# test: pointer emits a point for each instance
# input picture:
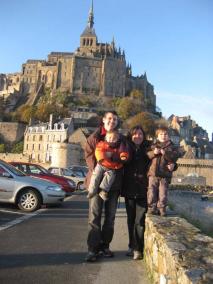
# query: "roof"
(88, 32)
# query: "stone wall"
(176, 252)
(201, 167)
(11, 157)
(12, 131)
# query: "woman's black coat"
(135, 181)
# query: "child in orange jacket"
(110, 155)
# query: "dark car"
(31, 169)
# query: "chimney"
(51, 121)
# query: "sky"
(170, 40)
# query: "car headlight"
(71, 183)
(54, 188)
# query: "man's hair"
(161, 129)
(110, 111)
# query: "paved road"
(50, 246)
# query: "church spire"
(91, 17)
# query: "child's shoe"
(104, 195)
(152, 211)
(162, 212)
(90, 194)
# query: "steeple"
(91, 17)
(88, 38)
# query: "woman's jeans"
(136, 212)
(100, 236)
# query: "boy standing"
(163, 155)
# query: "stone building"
(39, 139)
(192, 137)
(94, 68)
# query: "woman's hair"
(133, 130)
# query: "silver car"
(27, 192)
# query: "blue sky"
(172, 40)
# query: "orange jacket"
(110, 157)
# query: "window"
(40, 137)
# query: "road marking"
(12, 212)
(20, 220)
(30, 215)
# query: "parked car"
(28, 193)
(67, 185)
(68, 173)
(81, 170)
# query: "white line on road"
(20, 220)
(25, 216)
(12, 212)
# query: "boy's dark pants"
(157, 192)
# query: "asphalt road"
(50, 246)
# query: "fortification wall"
(176, 252)
(11, 157)
(201, 167)
(65, 155)
(12, 131)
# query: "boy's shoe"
(91, 194)
(91, 257)
(129, 252)
(107, 252)
(104, 195)
(137, 255)
(162, 212)
(152, 211)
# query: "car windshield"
(66, 172)
(36, 169)
(12, 169)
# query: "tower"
(88, 39)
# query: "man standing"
(100, 236)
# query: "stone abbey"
(93, 69)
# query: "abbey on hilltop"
(94, 68)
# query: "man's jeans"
(100, 236)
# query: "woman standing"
(134, 190)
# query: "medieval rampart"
(176, 252)
(201, 167)
(12, 131)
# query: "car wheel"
(29, 200)
(80, 185)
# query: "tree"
(128, 107)
(2, 148)
(18, 147)
(144, 119)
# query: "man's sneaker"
(91, 257)
(104, 195)
(107, 252)
(129, 252)
(137, 255)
